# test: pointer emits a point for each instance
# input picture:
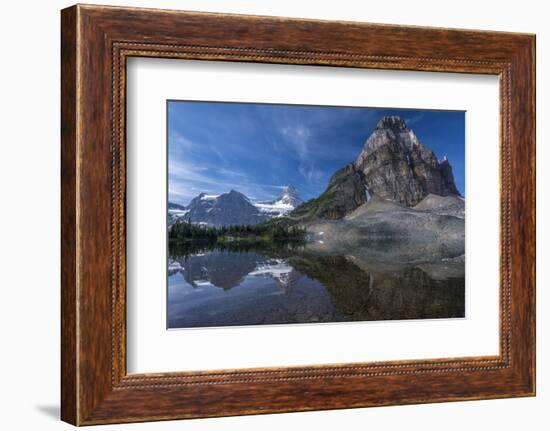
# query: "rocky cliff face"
(397, 166)
(345, 192)
(393, 165)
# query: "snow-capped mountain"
(286, 202)
(233, 208)
(289, 196)
(227, 209)
(202, 270)
(175, 212)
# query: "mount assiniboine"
(234, 208)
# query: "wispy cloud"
(297, 136)
(179, 141)
(311, 173)
(187, 180)
(182, 170)
(181, 195)
(414, 119)
(181, 144)
(259, 148)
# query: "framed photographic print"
(292, 232)
(279, 215)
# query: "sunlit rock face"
(397, 166)
(393, 166)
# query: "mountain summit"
(397, 166)
(393, 122)
(287, 200)
(289, 196)
(393, 165)
(233, 208)
(223, 210)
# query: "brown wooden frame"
(95, 43)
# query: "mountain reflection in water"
(232, 288)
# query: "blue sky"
(257, 149)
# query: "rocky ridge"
(233, 208)
(393, 165)
(399, 167)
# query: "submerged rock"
(386, 232)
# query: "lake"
(215, 287)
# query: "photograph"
(300, 214)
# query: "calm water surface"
(230, 288)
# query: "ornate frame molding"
(96, 41)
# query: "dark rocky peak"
(231, 208)
(200, 200)
(348, 190)
(392, 131)
(397, 166)
(345, 191)
(233, 194)
(391, 122)
(235, 199)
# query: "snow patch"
(202, 283)
(174, 266)
(209, 197)
(278, 208)
(276, 269)
(178, 213)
